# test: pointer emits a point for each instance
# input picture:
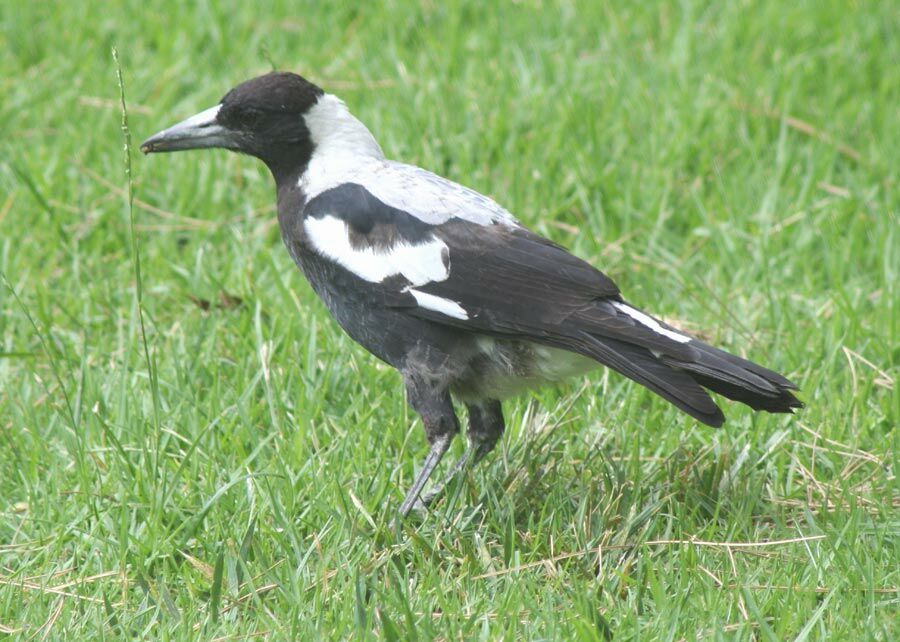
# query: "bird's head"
(263, 117)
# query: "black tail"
(739, 379)
(681, 373)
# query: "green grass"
(235, 476)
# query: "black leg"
(433, 404)
(485, 429)
(486, 426)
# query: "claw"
(474, 454)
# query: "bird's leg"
(486, 426)
(485, 429)
(438, 450)
(434, 405)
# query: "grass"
(231, 469)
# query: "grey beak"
(198, 131)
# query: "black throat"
(291, 205)
(286, 161)
(291, 197)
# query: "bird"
(444, 284)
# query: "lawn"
(191, 449)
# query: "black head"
(262, 117)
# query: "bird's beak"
(198, 131)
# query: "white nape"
(336, 132)
(347, 152)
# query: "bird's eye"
(241, 117)
(250, 116)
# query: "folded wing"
(494, 277)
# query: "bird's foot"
(474, 453)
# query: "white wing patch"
(650, 322)
(419, 264)
(439, 304)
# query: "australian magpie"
(444, 284)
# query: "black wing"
(511, 281)
(515, 284)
